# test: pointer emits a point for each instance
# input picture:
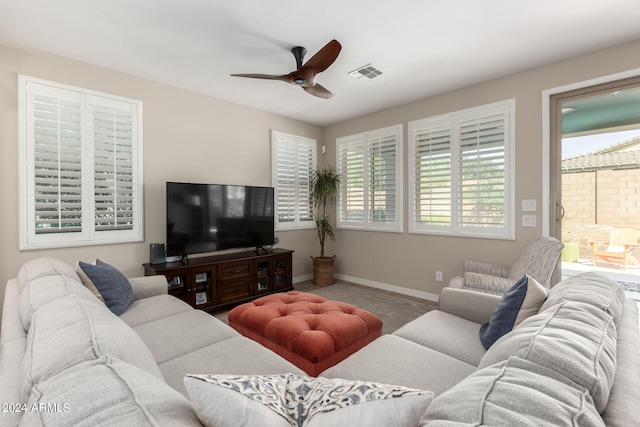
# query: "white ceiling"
(423, 47)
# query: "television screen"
(213, 217)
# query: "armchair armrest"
(474, 306)
(487, 283)
(484, 268)
(148, 286)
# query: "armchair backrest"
(538, 260)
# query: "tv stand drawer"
(235, 270)
(230, 292)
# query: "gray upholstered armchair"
(538, 260)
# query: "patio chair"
(538, 260)
(619, 248)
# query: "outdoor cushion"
(523, 300)
(295, 400)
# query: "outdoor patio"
(629, 280)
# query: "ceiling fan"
(304, 76)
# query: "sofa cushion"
(286, 400)
(514, 392)
(150, 309)
(185, 338)
(623, 406)
(394, 360)
(574, 339)
(590, 288)
(115, 289)
(214, 359)
(107, 392)
(446, 333)
(42, 267)
(44, 289)
(523, 300)
(72, 330)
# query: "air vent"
(365, 71)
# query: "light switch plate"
(528, 220)
(529, 205)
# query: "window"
(81, 166)
(370, 167)
(460, 169)
(293, 163)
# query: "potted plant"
(324, 190)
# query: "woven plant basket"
(323, 270)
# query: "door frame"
(548, 192)
(550, 178)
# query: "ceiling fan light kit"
(304, 75)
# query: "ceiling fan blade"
(324, 57)
(318, 90)
(284, 78)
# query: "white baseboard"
(391, 288)
(378, 285)
(299, 279)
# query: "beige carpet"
(393, 309)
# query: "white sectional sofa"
(61, 346)
(66, 360)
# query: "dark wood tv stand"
(214, 282)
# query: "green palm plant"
(324, 190)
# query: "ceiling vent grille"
(365, 71)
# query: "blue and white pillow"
(523, 300)
(295, 400)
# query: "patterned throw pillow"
(295, 400)
(523, 300)
(115, 289)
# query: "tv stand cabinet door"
(203, 288)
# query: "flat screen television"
(214, 217)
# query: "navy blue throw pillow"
(524, 299)
(112, 285)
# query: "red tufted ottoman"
(308, 330)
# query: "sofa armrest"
(148, 286)
(474, 306)
(484, 268)
(487, 283)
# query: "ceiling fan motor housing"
(299, 52)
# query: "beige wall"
(187, 137)
(231, 144)
(410, 261)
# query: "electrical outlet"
(438, 276)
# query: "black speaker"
(156, 253)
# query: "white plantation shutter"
(383, 161)
(113, 131)
(481, 176)
(293, 164)
(371, 190)
(430, 176)
(461, 180)
(81, 179)
(54, 127)
(351, 205)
